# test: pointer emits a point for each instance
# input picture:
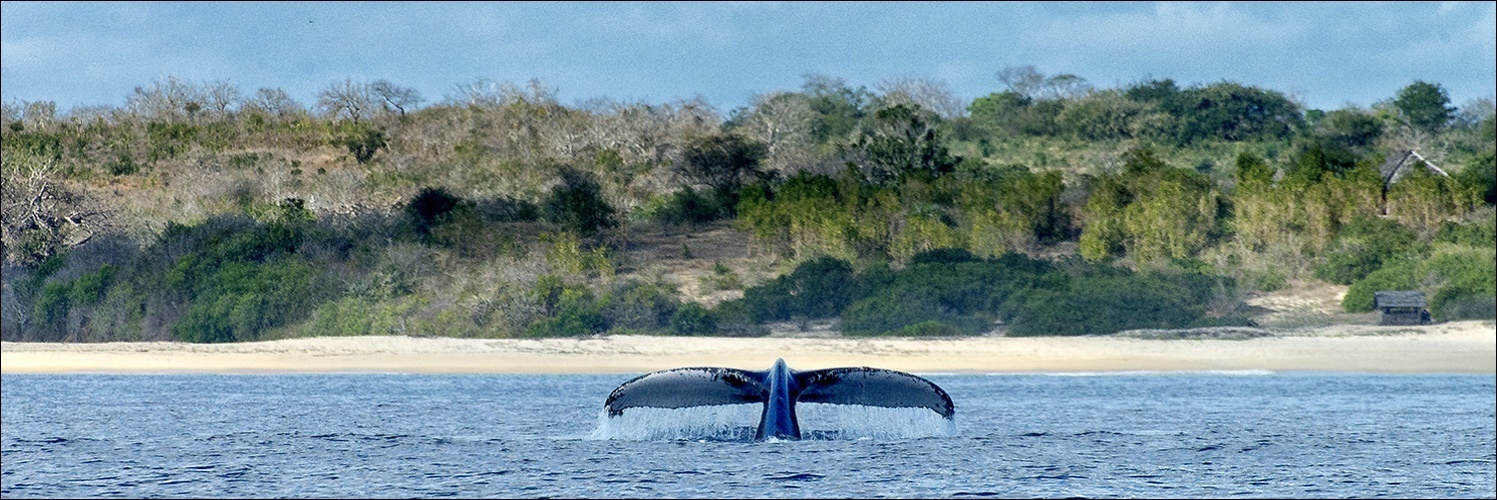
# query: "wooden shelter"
(1399, 164)
(1401, 307)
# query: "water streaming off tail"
(832, 421)
(724, 422)
(740, 423)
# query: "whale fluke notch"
(778, 389)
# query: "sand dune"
(1458, 347)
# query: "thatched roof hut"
(1401, 162)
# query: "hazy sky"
(1325, 54)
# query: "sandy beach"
(1457, 347)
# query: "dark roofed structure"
(1401, 307)
(1400, 162)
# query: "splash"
(717, 423)
(833, 421)
(740, 423)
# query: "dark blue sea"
(1222, 434)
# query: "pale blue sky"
(1325, 54)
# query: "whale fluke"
(872, 387)
(687, 387)
(778, 388)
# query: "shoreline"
(1456, 347)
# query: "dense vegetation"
(1051, 207)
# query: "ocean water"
(1222, 434)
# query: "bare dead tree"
(395, 98)
(1023, 80)
(39, 215)
(220, 97)
(274, 102)
(486, 93)
(934, 95)
(347, 100)
(1066, 86)
(167, 98)
(784, 122)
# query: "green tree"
(1350, 128)
(817, 288)
(839, 108)
(998, 113)
(1108, 115)
(242, 300)
(1480, 178)
(722, 162)
(1424, 106)
(1011, 210)
(1233, 112)
(903, 141)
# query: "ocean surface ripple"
(393, 435)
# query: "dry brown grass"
(687, 256)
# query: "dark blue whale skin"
(778, 389)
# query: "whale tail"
(778, 389)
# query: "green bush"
(693, 319)
(640, 306)
(1361, 247)
(683, 206)
(1108, 303)
(1396, 275)
(1459, 281)
(442, 217)
(345, 317)
(735, 320)
(577, 204)
(949, 287)
(895, 309)
(571, 321)
(1480, 177)
(225, 241)
(1475, 233)
(38, 144)
(566, 310)
(169, 139)
(363, 142)
(948, 292)
(242, 300)
(817, 288)
(1468, 283)
(57, 299)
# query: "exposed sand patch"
(1461, 347)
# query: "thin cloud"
(1329, 52)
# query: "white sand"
(1458, 347)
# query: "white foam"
(857, 421)
(701, 422)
